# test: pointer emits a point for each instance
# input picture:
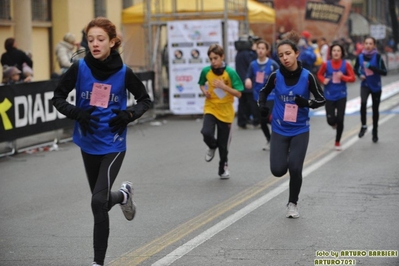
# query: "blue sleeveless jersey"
(374, 81)
(286, 95)
(103, 141)
(267, 69)
(335, 91)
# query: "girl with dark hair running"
(257, 75)
(370, 67)
(101, 114)
(290, 116)
(334, 74)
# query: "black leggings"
(101, 171)
(288, 153)
(375, 98)
(222, 140)
(266, 120)
(335, 111)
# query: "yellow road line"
(134, 258)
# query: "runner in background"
(369, 67)
(258, 72)
(220, 84)
(334, 74)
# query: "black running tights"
(288, 154)
(222, 141)
(335, 111)
(101, 171)
(375, 98)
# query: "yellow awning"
(257, 12)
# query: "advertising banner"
(188, 43)
(26, 108)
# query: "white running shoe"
(210, 153)
(267, 147)
(95, 264)
(129, 208)
(226, 173)
(292, 210)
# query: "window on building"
(40, 10)
(127, 3)
(5, 9)
(99, 8)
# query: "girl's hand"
(207, 94)
(326, 80)
(362, 77)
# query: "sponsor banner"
(26, 108)
(324, 12)
(188, 43)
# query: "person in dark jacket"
(102, 81)
(246, 53)
(15, 57)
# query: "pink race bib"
(290, 112)
(100, 95)
(260, 77)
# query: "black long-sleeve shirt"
(291, 78)
(381, 69)
(133, 84)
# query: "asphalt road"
(187, 216)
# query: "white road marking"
(209, 233)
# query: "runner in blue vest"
(370, 67)
(334, 74)
(259, 71)
(100, 81)
(293, 85)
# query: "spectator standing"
(101, 122)
(293, 86)
(369, 67)
(15, 57)
(223, 84)
(334, 74)
(324, 50)
(64, 51)
(306, 52)
(246, 53)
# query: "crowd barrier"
(26, 111)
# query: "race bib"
(335, 78)
(290, 112)
(367, 71)
(100, 95)
(260, 77)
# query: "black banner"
(324, 12)
(26, 109)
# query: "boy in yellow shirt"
(223, 84)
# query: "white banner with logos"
(188, 43)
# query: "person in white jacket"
(64, 51)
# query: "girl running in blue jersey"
(334, 74)
(258, 72)
(370, 67)
(101, 114)
(292, 85)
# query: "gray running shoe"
(292, 210)
(210, 153)
(129, 208)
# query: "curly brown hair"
(108, 27)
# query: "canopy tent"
(257, 12)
